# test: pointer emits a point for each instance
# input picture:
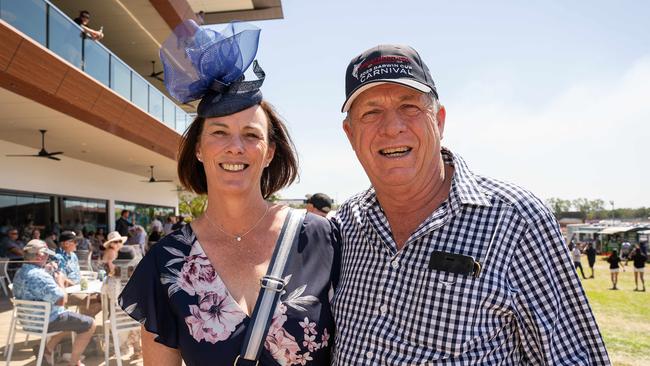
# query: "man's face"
(69, 246)
(395, 134)
(13, 234)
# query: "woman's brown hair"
(281, 172)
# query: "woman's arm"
(156, 354)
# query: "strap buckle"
(245, 361)
(272, 283)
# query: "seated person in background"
(83, 19)
(50, 239)
(10, 246)
(111, 251)
(33, 282)
(137, 238)
(68, 264)
(82, 242)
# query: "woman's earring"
(198, 157)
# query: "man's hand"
(51, 267)
(60, 279)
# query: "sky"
(551, 95)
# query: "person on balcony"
(83, 20)
(33, 282)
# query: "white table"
(94, 287)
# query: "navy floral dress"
(176, 294)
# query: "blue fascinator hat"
(209, 64)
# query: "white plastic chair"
(85, 259)
(4, 276)
(30, 317)
(115, 321)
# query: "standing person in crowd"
(83, 20)
(123, 224)
(626, 247)
(68, 264)
(180, 222)
(591, 257)
(614, 266)
(639, 258)
(36, 234)
(196, 290)
(319, 204)
(432, 270)
(577, 254)
(112, 246)
(33, 282)
(137, 238)
(169, 224)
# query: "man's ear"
(347, 127)
(440, 119)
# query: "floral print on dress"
(216, 315)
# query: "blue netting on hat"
(201, 60)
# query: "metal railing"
(49, 26)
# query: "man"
(441, 265)
(83, 20)
(577, 256)
(33, 282)
(319, 203)
(591, 257)
(11, 247)
(68, 264)
(123, 224)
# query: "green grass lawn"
(623, 316)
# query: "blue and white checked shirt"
(68, 264)
(526, 307)
(35, 284)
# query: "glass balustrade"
(46, 24)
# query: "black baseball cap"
(321, 202)
(67, 235)
(387, 63)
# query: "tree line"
(587, 209)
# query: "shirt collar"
(464, 186)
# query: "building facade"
(103, 105)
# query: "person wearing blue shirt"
(34, 282)
(68, 264)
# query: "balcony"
(50, 27)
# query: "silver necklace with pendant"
(238, 238)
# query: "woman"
(639, 259)
(196, 289)
(614, 260)
(112, 246)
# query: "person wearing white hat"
(112, 246)
(33, 282)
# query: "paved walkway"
(23, 354)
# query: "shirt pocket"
(456, 313)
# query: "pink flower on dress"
(197, 275)
(303, 358)
(310, 343)
(282, 346)
(309, 327)
(325, 338)
(214, 319)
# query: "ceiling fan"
(43, 153)
(154, 180)
(156, 74)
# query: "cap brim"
(406, 82)
(48, 251)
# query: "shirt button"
(383, 309)
(369, 354)
(394, 264)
